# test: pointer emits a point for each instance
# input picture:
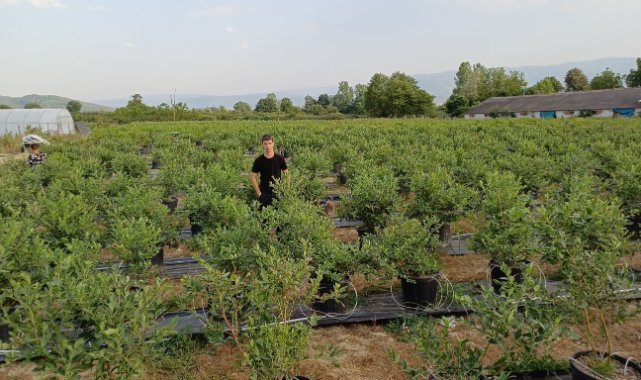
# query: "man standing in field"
(270, 166)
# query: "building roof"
(564, 101)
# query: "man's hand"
(258, 195)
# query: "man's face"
(268, 146)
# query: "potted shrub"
(372, 199)
(583, 231)
(409, 247)
(207, 208)
(508, 232)
(523, 321)
(135, 241)
(275, 346)
(437, 193)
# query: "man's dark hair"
(267, 138)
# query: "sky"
(100, 49)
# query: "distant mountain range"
(438, 84)
(49, 101)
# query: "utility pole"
(172, 100)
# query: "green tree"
(286, 105)
(344, 97)
(396, 96)
(456, 105)
(358, 104)
(467, 81)
(547, 85)
(608, 79)
(633, 79)
(135, 101)
(32, 105)
(4, 107)
(575, 80)
(243, 107)
(310, 102)
(267, 104)
(324, 100)
(74, 106)
(496, 82)
(375, 97)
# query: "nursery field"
(395, 249)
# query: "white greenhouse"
(42, 120)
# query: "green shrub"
(372, 199)
(438, 194)
(134, 240)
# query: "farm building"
(623, 102)
(46, 120)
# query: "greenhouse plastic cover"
(47, 120)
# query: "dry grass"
(472, 267)
(346, 235)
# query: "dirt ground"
(7, 156)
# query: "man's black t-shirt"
(269, 169)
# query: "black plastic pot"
(155, 164)
(199, 143)
(342, 178)
(420, 291)
(444, 233)
(498, 277)
(579, 372)
(159, 257)
(4, 333)
(330, 306)
(196, 229)
(171, 203)
(634, 226)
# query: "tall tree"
(286, 105)
(633, 79)
(344, 97)
(358, 104)
(267, 104)
(396, 96)
(456, 105)
(606, 80)
(324, 100)
(576, 80)
(547, 85)
(375, 96)
(74, 106)
(243, 107)
(467, 81)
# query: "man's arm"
(254, 182)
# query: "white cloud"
(129, 45)
(230, 30)
(96, 8)
(35, 3)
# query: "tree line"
(476, 83)
(395, 95)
